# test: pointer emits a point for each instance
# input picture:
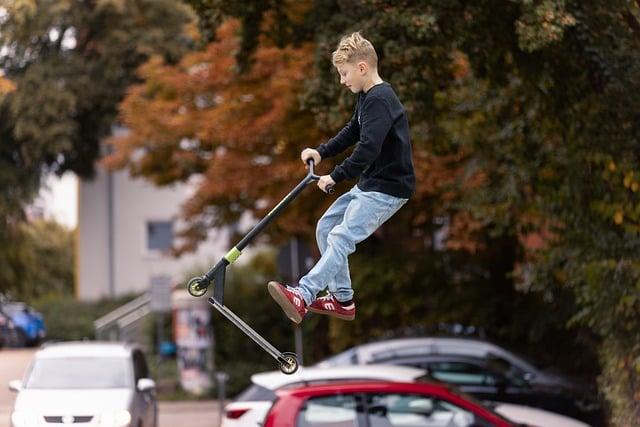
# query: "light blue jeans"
(353, 217)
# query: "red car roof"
(363, 386)
(284, 411)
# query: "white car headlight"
(24, 419)
(115, 419)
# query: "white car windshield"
(75, 372)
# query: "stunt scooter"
(197, 286)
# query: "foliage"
(61, 326)
(547, 121)
(6, 86)
(64, 67)
(201, 119)
(39, 261)
(525, 124)
(71, 62)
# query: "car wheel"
(33, 342)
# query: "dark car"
(6, 331)
(482, 369)
(28, 323)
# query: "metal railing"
(123, 323)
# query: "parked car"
(251, 406)
(378, 404)
(28, 323)
(104, 384)
(6, 327)
(482, 369)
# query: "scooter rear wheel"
(197, 286)
(288, 363)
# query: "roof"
(276, 379)
(379, 351)
(430, 345)
(84, 349)
(438, 389)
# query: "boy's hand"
(326, 181)
(310, 153)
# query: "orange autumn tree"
(6, 86)
(237, 136)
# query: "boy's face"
(352, 75)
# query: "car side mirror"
(422, 407)
(15, 385)
(146, 384)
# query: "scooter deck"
(288, 361)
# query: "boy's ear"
(363, 67)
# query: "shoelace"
(293, 289)
(327, 297)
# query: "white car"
(252, 405)
(535, 416)
(89, 383)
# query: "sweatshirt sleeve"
(348, 136)
(375, 125)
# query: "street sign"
(294, 259)
(160, 292)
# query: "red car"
(378, 404)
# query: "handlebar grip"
(311, 165)
(330, 189)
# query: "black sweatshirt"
(382, 159)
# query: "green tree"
(546, 115)
(38, 262)
(71, 62)
(65, 66)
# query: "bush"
(68, 319)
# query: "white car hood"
(77, 402)
(527, 415)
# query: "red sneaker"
(289, 300)
(329, 305)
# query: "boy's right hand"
(310, 153)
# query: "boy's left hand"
(324, 181)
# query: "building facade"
(125, 227)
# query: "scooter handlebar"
(311, 164)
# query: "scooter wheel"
(288, 363)
(197, 286)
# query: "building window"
(159, 235)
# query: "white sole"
(284, 303)
(332, 314)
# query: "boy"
(382, 160)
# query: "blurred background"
(140, 139)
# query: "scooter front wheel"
(288, 363)
(197, 286)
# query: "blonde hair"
(354, 48)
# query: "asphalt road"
(14, 362)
